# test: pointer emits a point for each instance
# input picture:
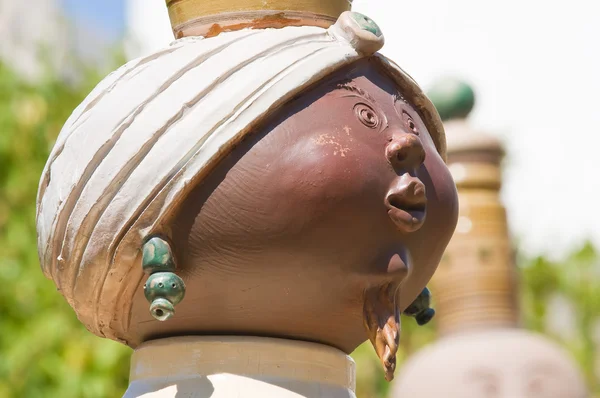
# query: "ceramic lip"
(407, 204)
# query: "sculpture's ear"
(163, 289)
(420, 309)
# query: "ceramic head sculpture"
(265, 179)
(498, 363)
(482, 352)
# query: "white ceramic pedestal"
(239, 367)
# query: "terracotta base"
(241, 367)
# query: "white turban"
(153, 129)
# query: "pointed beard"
(382, 321)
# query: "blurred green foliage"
(46, 352)
(576, 280)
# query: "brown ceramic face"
(500, 363)
(341, 191)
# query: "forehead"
(371, 81)
(363, 88)
(386, 84)
(366, 77)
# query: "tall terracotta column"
(482, 352)
(475, 285)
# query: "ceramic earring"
(420, 309)
(163, 289)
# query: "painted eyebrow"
(362, 93)
(356, 90)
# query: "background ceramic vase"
(482, 352)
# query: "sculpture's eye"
(366, 115)
(410, 123)
(486, 383)
(541, 386)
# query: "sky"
(106, 16)
(534, 65)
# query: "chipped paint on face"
(328, 139)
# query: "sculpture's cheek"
(427, 245)
(326, 169)
(442, 197)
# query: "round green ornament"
(162, 309)
(165, 285)
(366, 23)
(157, 256)
(420, 309)
(453, 98)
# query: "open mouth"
(407, 206)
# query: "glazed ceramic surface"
(294, 178)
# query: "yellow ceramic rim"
(183, 11)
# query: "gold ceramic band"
(470, 299)
(182, 12)
(475, 285)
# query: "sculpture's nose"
(405, 151)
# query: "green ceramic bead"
(453, 98)
(165, 285)
(425, 317)
(421, 303)
(420, 309)
(366, 23)
(157, 256)
(162, 309)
